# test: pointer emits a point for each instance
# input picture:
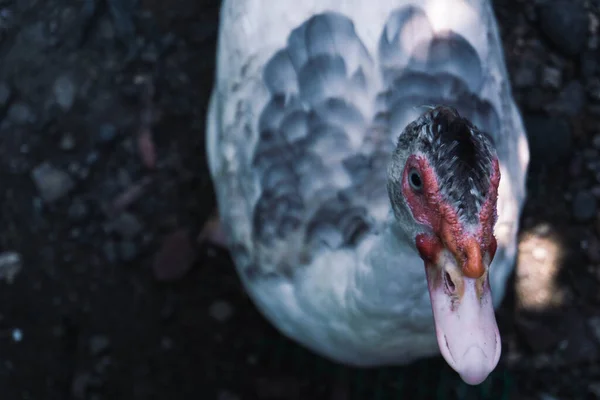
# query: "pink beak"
(465, 323)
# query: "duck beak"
(463, 310)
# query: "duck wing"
(308, 106)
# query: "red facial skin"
(431, 210)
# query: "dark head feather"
(461, 155)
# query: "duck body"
(310, 104)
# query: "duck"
(369, 163)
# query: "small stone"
(128, 250)
(571, 100)
(526, 73)
(225, 395)
(107, 133)
(5, 94)
(596, 141)
(67, 142)
(536, 98)
(80, 385)
(10, 265)
(550, 138)
(175, 257)
(64, 92)
(110, 252)
(565, 23)
(584, 206)
(594, 325)
(594, 389)
(99, 344)
(593, 250)
(590, 64)
(52, 183)
(78, 210)
(21, 114)
(221, 311)
(126, 225)
(551, 77)
(17, 335)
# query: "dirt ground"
(105, 292)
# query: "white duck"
(356, 187)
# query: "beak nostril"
(450, 287)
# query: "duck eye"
(414, 178)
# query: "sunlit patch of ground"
(538, 266)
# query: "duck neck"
(393, 275)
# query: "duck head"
(443, 185)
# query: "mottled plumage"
(311, 102)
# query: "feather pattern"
(307, 110)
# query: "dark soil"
(105, 190)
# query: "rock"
(584, 206)
(536, 98)
(551, 77)
(110, 251)
(564, 331)
(594, 389)
(549, 138)
(221, 311)
(526, 73)
(78, 210)
(226, 395)
(99, 344)
(565, 23)
(590, 61)
(21, 114)
(593, 250)
(593, 89)
(5, 94)
(10, 265)
(175, 257)
(107, 133)
(126, 225)
(64, 92)
(594, 325)
(128, 250)
(67, 142)
(571, 100)
(52, 183)
(80, 385)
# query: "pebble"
(221, 311)
(126, 225)
(5, 94)
(565, 23)
(584, 206)
(590, 61)
(17, 335)
(52, 183)
(594, 325)
(78, 210)
(10, 265)
(594, 389)
(552, 77)
(64, 92)
(128, 250)
(571, 100)
(21, 114)
(67, 142)
(175, 257)
(549, 138)
(526, 73)
(225, 395)
(99, 344)
(110, 251)
(107, 133)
